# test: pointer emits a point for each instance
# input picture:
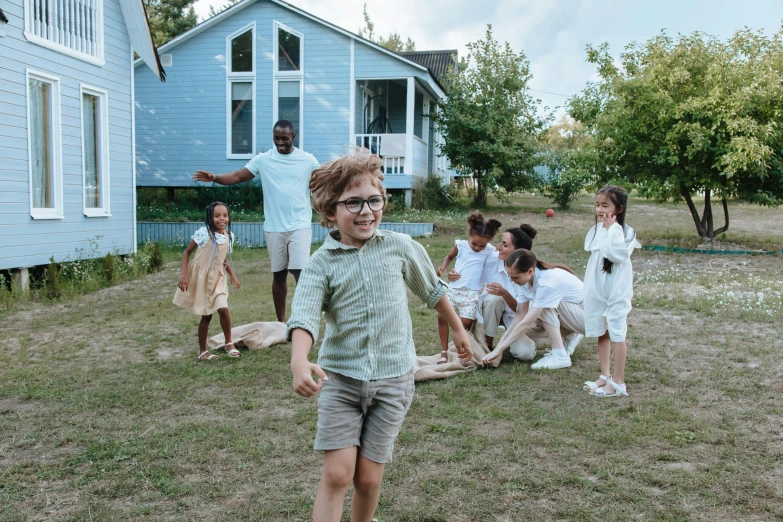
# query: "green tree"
(170, 18)
(572, 159)
(489, 122)
(393, 42)
(217, 10)
(690, 116)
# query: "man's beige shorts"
(289, 250)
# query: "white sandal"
(619, 390)
(593, 385)
(206, 356)
(233, 352)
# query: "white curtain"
(41, 144)
(92, 180)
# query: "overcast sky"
(552, 33)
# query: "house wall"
(181, 125)
(27, 241)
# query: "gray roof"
(438, 62)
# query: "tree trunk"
(694, 213)
(705, 225)
(480, 200)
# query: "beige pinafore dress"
(208, 285)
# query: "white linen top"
(470, 265)
(550, 287)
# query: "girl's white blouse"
(201, 237)
(608, 296)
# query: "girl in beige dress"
(202, 286)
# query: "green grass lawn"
(105, 414)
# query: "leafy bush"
(108, 268)
(432, 194)
(156, 258)
(244, 200)
(53, 286)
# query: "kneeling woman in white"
(549, 302)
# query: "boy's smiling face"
(357, 229)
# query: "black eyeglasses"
(355, 205)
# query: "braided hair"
(478, 227)
(209, 221)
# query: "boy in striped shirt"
(358, 279)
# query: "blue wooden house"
(231, 77)
(66, 127)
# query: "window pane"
(242, 53)
(41, 153)
(288, 105)
(242, 118)
(287, 51)
(91, 142)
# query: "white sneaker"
(572, 341)
(551, 362)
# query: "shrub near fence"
(251, 234)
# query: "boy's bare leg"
(366, 489)
(336, 476)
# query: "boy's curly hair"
(331, 179)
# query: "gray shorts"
(368, 414)
(289, 250)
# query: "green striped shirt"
(361, 292)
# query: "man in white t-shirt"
(284, 172)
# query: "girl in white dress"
(471, 254)
(609, 288)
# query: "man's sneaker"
(551, 362)
(572, 341)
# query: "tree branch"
(694, 213)
(725, 227)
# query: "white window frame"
(240, 77)
(276, 105)
(32, 37)
(57, 150)
(277, 25)
(289, 76)
(103, 149)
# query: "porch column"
(411, 102)
(20, 280)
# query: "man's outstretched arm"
(229, 178)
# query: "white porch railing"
(390, 147)
(420, 159)
(76, 25)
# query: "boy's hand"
(462, 344)
(439, 270)
(453, 276)
(235, 282)
(304, 384)
(184, 282)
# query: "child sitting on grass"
(358, 279)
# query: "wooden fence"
(250, 234)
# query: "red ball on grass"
(549, 212)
